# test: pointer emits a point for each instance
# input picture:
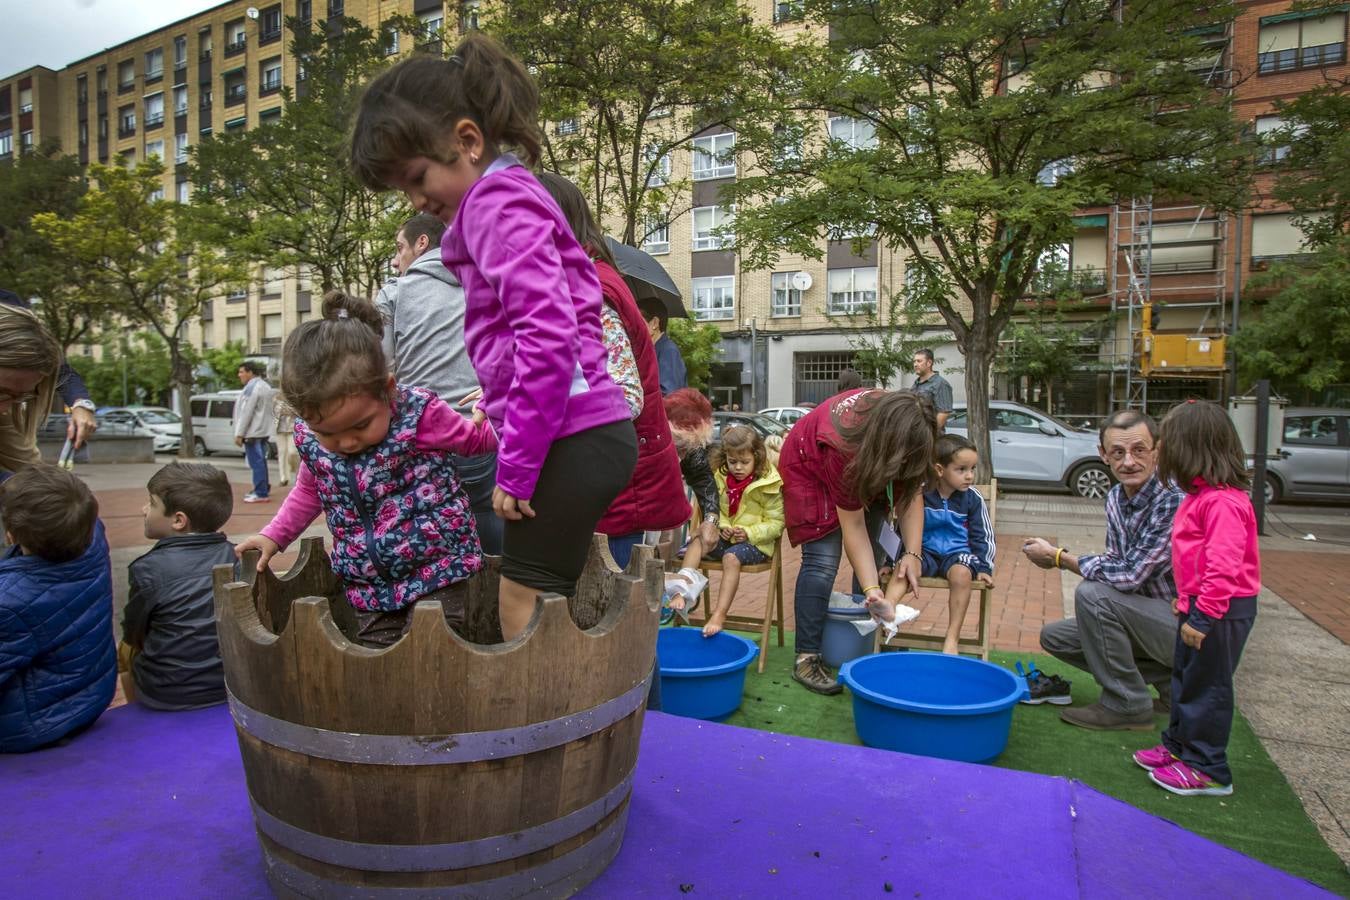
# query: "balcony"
(126, 88)
(236, 46)
(270, 86)
(154, 120)
(270, 36)
(126, 131)
(235, 94)
(204, 55)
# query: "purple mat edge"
(700, 815)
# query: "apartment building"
(786, 332)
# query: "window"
(154, 110)
(127, 158)
(856, 134)
(180, 52)
(126, 121)
(1014, 420)
(6, 143)
(102, 81)
(184, 192)
(154, 149)
(233, 125)
(714, 298)
(659, 164)
(657, 239)
(468, 15)
(1053, 172)
(154, 65)
(707, 221)
(916, 288)
(787, 300)
(304, 10)
(26, 100)
(180, 100)
(714, 156)
(269, 115)
(271, 328)
(236, 329)
(269, 25)
(336, 8)
(1313, 431)
(204, 44)
(84, 134)
(432, 23)
(180, 148)
(126, 75)
(269, 72)
(1304, 42)
(25, 140)
(1276, 237)
(158, 193)
(272, 279)
(1179, 247)
(787, 10)
(235, 88)
(852, 290)
(235, 37)
(82, 89)
(567, 126)
(391, 42)
(1270, 131)
(204, 94)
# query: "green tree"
(968, 135)
(224, 363)
(156, 262)
(629, 83)
(129, 370)
(1314, 180)
(699, 345)
(282, 189)
(44, 180)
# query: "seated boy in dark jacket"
(58, 665)
(169, 626)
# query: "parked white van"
(213, 424)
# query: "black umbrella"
(647, 278)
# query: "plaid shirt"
(1138, 557)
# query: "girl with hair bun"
(376, 461)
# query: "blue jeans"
(478, 474)
(815, 580)
(255, 451)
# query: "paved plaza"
(1293, 684)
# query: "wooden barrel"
(438, 767)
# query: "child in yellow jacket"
(751, 512)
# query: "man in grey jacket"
(423, 312)
(254, 418)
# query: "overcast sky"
(55, 33)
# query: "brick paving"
(1317, 584)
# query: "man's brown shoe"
(1098, 718)
(810, 673)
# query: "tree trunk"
(183, 380)
(979, 347)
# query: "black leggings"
(582, 475)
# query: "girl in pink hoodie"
(440, 131)
(1217, 566)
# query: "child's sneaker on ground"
(810, 673)
(1179, 778)
(1153, 757)
(254, 498)
(1045, 688)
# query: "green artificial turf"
(1263, 818)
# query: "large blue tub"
(702, 678)
(932, 704)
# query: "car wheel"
(1092, 480)
(1272, 490)
(200, 445)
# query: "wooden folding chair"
(978, 644)
(773, 604)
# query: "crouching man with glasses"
(1123, 629)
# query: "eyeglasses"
(7, 398)
(1119, 454)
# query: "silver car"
(1313, 461)
(1031, 447)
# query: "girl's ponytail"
(502, 95)
(337, 305)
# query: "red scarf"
(736, 487)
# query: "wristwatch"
(83, 403)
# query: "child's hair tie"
(343, 314)
(456, 60)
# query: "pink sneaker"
(1153, 758)
(1180, 778)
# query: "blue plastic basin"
(932, 704)
(702, 678)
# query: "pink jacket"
(531, 322)
(1215, 555)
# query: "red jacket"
(654, 499)
(812, 463)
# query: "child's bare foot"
(882, 610)
(714, 625)
(949, 649)
(676, 602)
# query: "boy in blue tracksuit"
(958, 538)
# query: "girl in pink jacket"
(1217, 566)
(439, 131)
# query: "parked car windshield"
(157, 417)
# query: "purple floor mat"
(153, 804)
